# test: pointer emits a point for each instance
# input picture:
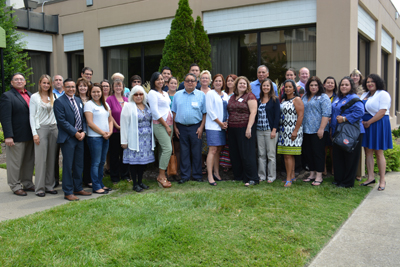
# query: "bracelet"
(344, 119)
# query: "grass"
(187, 225)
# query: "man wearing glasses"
(14, 118)
(194, 69)
(189, 110)
(87, 73)
(71, 124)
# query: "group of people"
(212, 121)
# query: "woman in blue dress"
(137, 138)
(378, 135)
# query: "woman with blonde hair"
(45, 132)
(205, 81)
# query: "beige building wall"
(337, 30)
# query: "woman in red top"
(242, 109)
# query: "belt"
(187, 125)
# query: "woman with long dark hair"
(317, 111)
(346, 163)
(378, 135)
(163, 124)
(291, 132)
(100, 128)
(268, 114)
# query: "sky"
(396, 3)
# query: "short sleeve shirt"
(239, 111)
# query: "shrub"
(396, 132)
(392, 157)
(203, 46)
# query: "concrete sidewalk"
(13, 206)
(371, 236)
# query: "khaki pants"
(45, 153)
(20, 161)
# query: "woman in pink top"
(118, 170)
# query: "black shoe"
(198, 180)
(137, 188)
(334, 183)
(41, 194)
(182, 181)
(53, 192)
(104, 192)
(107, 189)
(213, 184)
(56, 184)
(365, 184)
(216, 178)
(142, 185)
(344, 186)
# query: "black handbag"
(346, 134)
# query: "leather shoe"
(102, 193)
(71, 198)
(20, 192)
(182, 181)
(142, 185)
(198, 180)
(56, 184)
(31, 189)
(41, 194)
(107, 189)
(53, 192)
(137, 188)
(83, 193)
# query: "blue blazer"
(65, 116)
(273, 110)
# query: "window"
(76, 63)
(396, 91)
(384, 66)
(242, 53)
(363, 55)
(40, 64)
(135, 59)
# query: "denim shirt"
(189, 107)
(314, 110)
(352, 114)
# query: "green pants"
(165, 147)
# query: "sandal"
(382, 188)
(288, 184)
(308, 180)
(317, 183)
(163, 182)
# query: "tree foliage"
(15, 59)
(203, 46)
(179, 44)
(186, 43)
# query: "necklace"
(142, 110)
(97, 104)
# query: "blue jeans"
(98, 147)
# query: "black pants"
(314, 152)
(137, 170)
(57, 165)
(118, 170)
(346, 164)
(243, 154)
(87, 160)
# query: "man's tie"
(78, 121)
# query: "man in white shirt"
(304, 75)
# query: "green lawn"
(187, 225)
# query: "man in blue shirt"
(189, 110)
(58, 86)
(262, 73)
(194, 69)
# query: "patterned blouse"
(262, 122)
(239, 111)
(314, 110)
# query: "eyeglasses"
(136, 82)
(190, 81)
(138, 94)
(69, 87)
(18, 79)
(88, 74)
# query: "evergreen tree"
(179, 45)
(203, 46)
(14, 57)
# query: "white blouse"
(215, 109)
(380, 100)
(100, 117)
(159, 104)
(40, 113)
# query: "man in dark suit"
(14, 118)
(71, 124)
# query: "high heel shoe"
(382, 188)
(365, 184)
(216, 178)
(163, 182)
(213, 184)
